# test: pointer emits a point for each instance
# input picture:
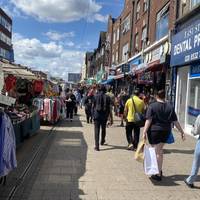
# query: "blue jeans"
(195, 165)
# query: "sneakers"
(190, 185)
(103, 142)
(156, 177)
(96, 149)
(130, 147)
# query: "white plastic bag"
(150, 161)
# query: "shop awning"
(18, 71)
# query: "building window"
(114, 37)
(117, 34)
(5, 54)
(5, 23)
(125, 53)
(162, 23)
(194, 99)
(137, 42)
(126, 25)
(116, 57)
(144, 36)
(194, 3)
(113, 58)
(5, 39)
(138, 10)
(145, 5)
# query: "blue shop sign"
(195, 71)
(186, 45)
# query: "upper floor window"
(5, 39)
(137, 42)
(114, 37)
(117, 34)
(5, 23)
(162, 23)
(194, 3)
(145, 5)
(125, 52)
(144, 36)
(126, 25)
(138, 10)
(116, 57)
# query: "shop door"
(182, 94)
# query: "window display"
(194, 100)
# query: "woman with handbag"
(159, 117)
(196, 161)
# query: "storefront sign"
(195, 71)
(186, 45)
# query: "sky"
(53, 35)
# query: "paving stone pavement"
(71, 169)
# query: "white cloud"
(70, 44)
(51, 57)
(54, 35)
(60, 10)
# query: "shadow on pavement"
(178, 151)
(172, 180)
(111, 147)
(56, 171)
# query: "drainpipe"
(148, 19)
(132, 21)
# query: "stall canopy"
(18, 71)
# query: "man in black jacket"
(101, 112)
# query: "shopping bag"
(150, 161)
(139, 154)
(170, 139)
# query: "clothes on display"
(50, 109)
(7, 145)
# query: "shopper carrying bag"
(150, 161)
(139, 154)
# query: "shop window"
(145, 5)
(138, 10)
(194, 3)
(194, 100)
(162, 23)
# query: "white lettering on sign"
(182, 47)
(197, 40)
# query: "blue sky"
(54, 35)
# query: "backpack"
(196, 127)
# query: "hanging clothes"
(7, 145)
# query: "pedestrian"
(123, 97)
(112, 102)
(133, 105)
(159, 118)
(89, 100)
(101, 108)
(70, 104)
(196, 160)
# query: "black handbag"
(139, 118)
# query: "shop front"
(185, 61)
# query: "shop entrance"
(181, 95)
